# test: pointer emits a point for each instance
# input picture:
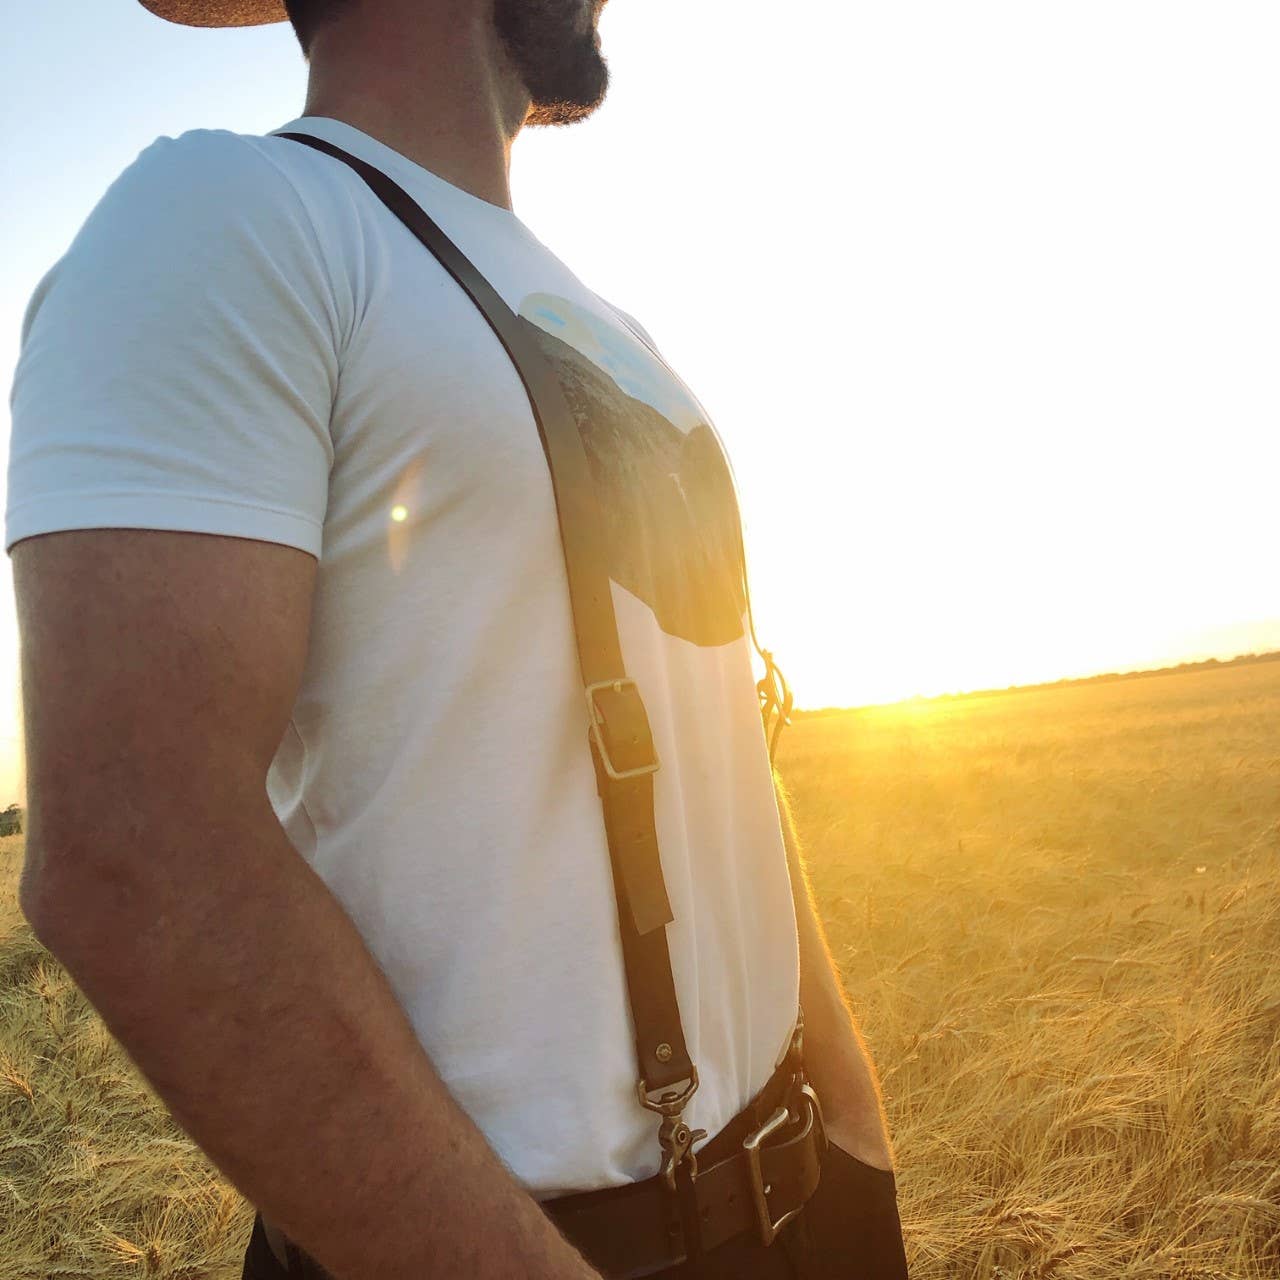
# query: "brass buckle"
(597, 718)
(674, 1136)
(759, 1192)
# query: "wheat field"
(1057, 914)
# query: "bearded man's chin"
(552, 113)
(560, 65)
(571, 97)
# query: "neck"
(429, 79)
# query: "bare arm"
(159, 671)
(836, 1057)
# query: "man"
(313, 821)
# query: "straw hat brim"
(219, 13)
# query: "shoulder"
(189, 205)
(238, 192)
(211, 172)
(208, 214)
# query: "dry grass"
(96, 1180)
(1058, 916)
(1057, 913)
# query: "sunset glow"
(980, 300)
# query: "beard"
(558, 59)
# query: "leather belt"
(754, 1176)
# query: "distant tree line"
(1241, 660)
(11, 821)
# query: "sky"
(983, 299)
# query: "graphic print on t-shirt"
(665, 491)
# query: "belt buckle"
(751, 1144)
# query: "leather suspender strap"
(618, 728)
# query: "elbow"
(31, 897)
(62, 906)
(46, 916)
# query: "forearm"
(248, 999)
(836, 1058)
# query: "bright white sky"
(984, 299)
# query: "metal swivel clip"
(674, 1136)
(676, 1140)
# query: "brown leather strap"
(615, 712)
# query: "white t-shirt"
(243, 340)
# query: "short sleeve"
(178, 364)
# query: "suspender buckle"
(619, 725)
(671, 1103)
